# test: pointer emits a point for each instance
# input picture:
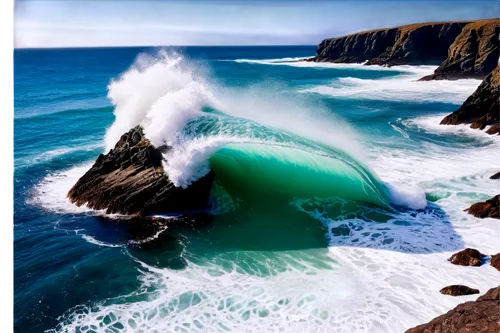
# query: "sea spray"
(305, 143)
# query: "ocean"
(338, 196)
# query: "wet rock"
(482, 108)
(130, 180)
(482, 315)
(495, 261)
(494, 129)
(495, 176)
(489, 208)
(467, 257)
(458, 290)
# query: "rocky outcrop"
(414, 44)
(482, 108)
(489, 208)
(458, 290)
(467, 257)
(473, 54)
(130, 180)
(495, 261)
(482, 315)
(495, 176)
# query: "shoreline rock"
(495, 261)
(482, 108)
(488, 208)
(467, 257)
(482, 315)
(130, 180)
(458, 290)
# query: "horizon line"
(154, 46)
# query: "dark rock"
(495, 176)
(494, 129)
(458, 290)
(482, 108)
(489, 208)
(473, 54)
(130, 180)
(467, 257)
(495, 261)
(482, 315)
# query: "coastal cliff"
(473, 54)
(482, 108)
(130, 180)
(466, 49)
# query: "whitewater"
(338, 198)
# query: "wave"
(402, 88)
(249, 137)
(53, 154)
(297, 62)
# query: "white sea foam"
(51, 192)
(431, 124)
(347, 289)
(403, 88)
(297, 62)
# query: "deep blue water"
(60, 120)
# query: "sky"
(93, 23)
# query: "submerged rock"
(467, 257)
(482, 315)
(130, 179)
(489, 208)
(482, 108)
(458, 290)
(495, 261)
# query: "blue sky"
(61, 23)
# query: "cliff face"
(413, 44)
(130, 180)
(473, 54)
(462, 49)
(482, 108)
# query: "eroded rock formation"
(130, 179)
(495, 261)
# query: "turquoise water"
(310, 159)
